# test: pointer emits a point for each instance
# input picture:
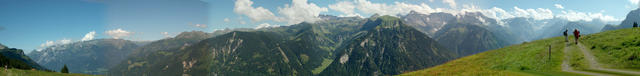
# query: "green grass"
(19, 72)
(325, 64)
(531, 58)
(616, 48)
(608, 72)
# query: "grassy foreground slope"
(618, 49)
(511, 60)
(532, 58)
(19, 72)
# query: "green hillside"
(531, 56)
(618, 50)
(15, 58)
(468, 39)
(388, 47)
(140, 60)
(19, 72)
(301, 49)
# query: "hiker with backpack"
(576, 34)
(566, 39)
(635, 25)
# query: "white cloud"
(244, 7)
(227, 20)
(58, 42)
(300, 11)
(65, 41)
(165, 34)
(200, 25)
(296, 12)
(89, 36)
(47, 44)
(117, 33)
(347, 8)
(452, 3)
(588, 16)
(537, 14)
(396, 8)
(368, 7)
(242, 22)
(543, 13)
(265, 25)
(635, 2)
(558, 6)
(499, 13)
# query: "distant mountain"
(522, 28)
(430, 23)
(301, 49)
(331, 17)
(476, 18)
(15, 58)
(89, 57)
(139, 60)
(180, 41)
(141, 43)
(387, 47)
(467, 39)
(557, 29)
(633, 16)
(474, 30)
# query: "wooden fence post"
(549, 52)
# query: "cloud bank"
(265, 25)
(301, 11)
(245, 7)
(558, 6)
(296, 12)
(89, 36)
(118, 33)
(52, 43)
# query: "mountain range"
(390, 48)
(633, 16)
(89, 57)
(377, 45)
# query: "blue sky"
(34, 24)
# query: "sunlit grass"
(615, 48)
(325, 64)
(530, 58)
(19, 72)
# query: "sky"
(36, 24)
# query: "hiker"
(566, 39)
(635, 24)
(576, 34)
